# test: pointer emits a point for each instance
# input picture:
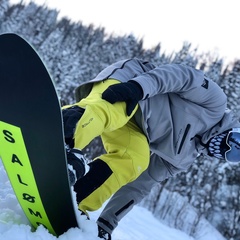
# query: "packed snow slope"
(139, 224)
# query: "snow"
(211, 186)
(139, 224)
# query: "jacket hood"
(228, 122)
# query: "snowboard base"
(31, 137)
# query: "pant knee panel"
(99, 172)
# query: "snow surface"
(139, 224)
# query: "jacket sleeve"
(187, 82)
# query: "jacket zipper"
(183, 138)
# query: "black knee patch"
(98, 173)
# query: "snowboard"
(31, 137)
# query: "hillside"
(75, 53)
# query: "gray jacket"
(180, 110)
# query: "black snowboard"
(31, 137)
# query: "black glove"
(130, 92)
(71, 117)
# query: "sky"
(210, 25)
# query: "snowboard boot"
(103, 234)
(77, 165)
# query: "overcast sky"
(210, 25)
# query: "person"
(153, 121)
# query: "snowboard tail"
(21, 175)
(31, 137)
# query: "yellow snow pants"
(127, 149)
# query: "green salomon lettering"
(17, 164)
(15, 159)
(8, 136)
(37, 214)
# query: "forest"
(75, 53)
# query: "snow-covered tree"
(74, 53)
